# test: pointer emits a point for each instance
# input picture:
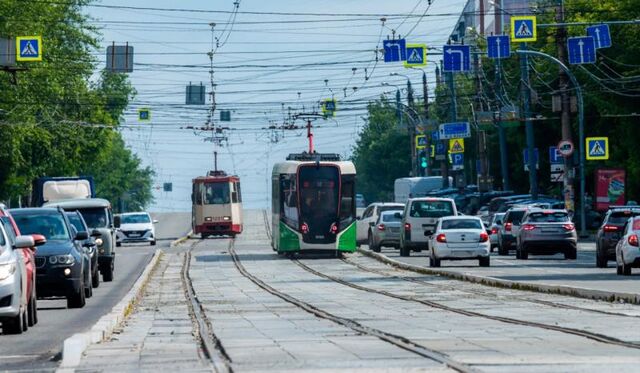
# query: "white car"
(628, 248)
(494, 227)
(136, 227)
(419, 220)
(14, 304)
(366, 223)
(458, 238)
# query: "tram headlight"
(208, 218)
(226, 218)
(304, 228)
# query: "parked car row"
(617, 239)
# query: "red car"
(29, 261)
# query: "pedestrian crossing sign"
(421, 141)
(144, 115)
(416, 55)
(597, 148)
(29, 48)
(523, 29)
(456, 146)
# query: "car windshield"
(95, 217)
(621, 217)
(389, 208)
(135, 219)
(546, 217)
(515, 217)
(431, 209)
(52, 226)
(461, 224)
(75, 220)
(388, 218)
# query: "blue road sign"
(454, 130)
(395, 50)
(554, 156)
(498, 46)
(416, 55)
(597, 148)
(457, 58)
(601, 35)
(457, 161)
(29, 48)
(523, 28)
(435, 136)
(441, 148)
(581, 50)
(525, 158)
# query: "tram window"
(289, 199)
(216, 193)
(234, 193)
(239, 192)
(347, 199)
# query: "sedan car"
(628, 248)
(458, 238)
(387, 230)
(61, 263)
(508, 232)
(136, 227)
(14, 302)
(546, 232)
(610, 232)
(494, 227)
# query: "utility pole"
(411, 127)
(565, 108)
(425, 93)
(502, 136)
(483, 172)
(526, 102)
(453, 115)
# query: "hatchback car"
(509, 230)
(387, 230)
(459, 238)
(610, 232)
(419, 220)
(546, 232)
(15, 303)
(136, 227)
(61, 263)
(628, 248)
(366, 223)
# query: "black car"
(91, 243)
(61, 263)
(610, 231)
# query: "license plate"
(134, 235)
(394, 230)
(549, 231)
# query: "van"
(419, 220)
(413, 187)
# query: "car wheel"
(501, 249)
(524, 255)
(88, 291)
(31, 312)
(118, 244)
(12, 325)
(153, 243)
(571, 253)
(372, 245)
(405, 251)
(95, 279)
(107, 276)
(78, 299)
(25, 320)
(626, 269)
(618, 268)
(601, 259)
(485, 261)
(434, 262)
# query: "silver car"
(546, 232)
(628, 248)
(386, 231)
(13, 284)
(494, 227)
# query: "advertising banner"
(610, 188)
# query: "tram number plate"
(319, 237)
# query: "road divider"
(609, 296)
(181, 239)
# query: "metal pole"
(425, 93)
(526, 98)
(502, 136)
(574, 81)
(453, 116)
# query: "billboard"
(610, 187)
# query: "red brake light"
(610, 228)
(569, 227)
(304, 228)
(407, 227)
(507, 227)
(442, 238)
(484, 237)
(528, 227)
(380, 227)
(633, 240)
(334, 228)
(494, 230)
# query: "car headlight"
(7, 269)
(99, 241)
(62, 259)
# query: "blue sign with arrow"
(395, 50)
(601, 35)
(498, 46)
(456, 130)
(582, 50)
(457, 58)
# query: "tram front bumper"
(218, 228)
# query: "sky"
(271, 58)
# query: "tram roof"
(346, 167)
(216, 179)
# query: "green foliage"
(61, 118)
(382, 154)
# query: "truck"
(77, 193)
(413, 187)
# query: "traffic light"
(423, 162)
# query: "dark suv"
(61, 263)
(610, 232)
(91, 243)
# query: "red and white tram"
(216, 205)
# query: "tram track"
(211, 345)
(484, 294)
(577, 332)
(396, 340)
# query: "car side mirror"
(39, 239)
(96, 233)
(23, 242)
(397, 215)
(81, 236)
(116, 221)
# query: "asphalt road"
(39, 348)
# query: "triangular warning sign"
(597, 150)
(28, 50)
(415, 57)
(524, 30)
(457, 147)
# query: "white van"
(414, 187)
(419, 220)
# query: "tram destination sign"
(454, 130)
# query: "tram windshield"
(319, 188)
(216, 193)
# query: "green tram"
(313, 204)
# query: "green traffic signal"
(423, 162)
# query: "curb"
(181, 239)
(75, 346)
(608, 296)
